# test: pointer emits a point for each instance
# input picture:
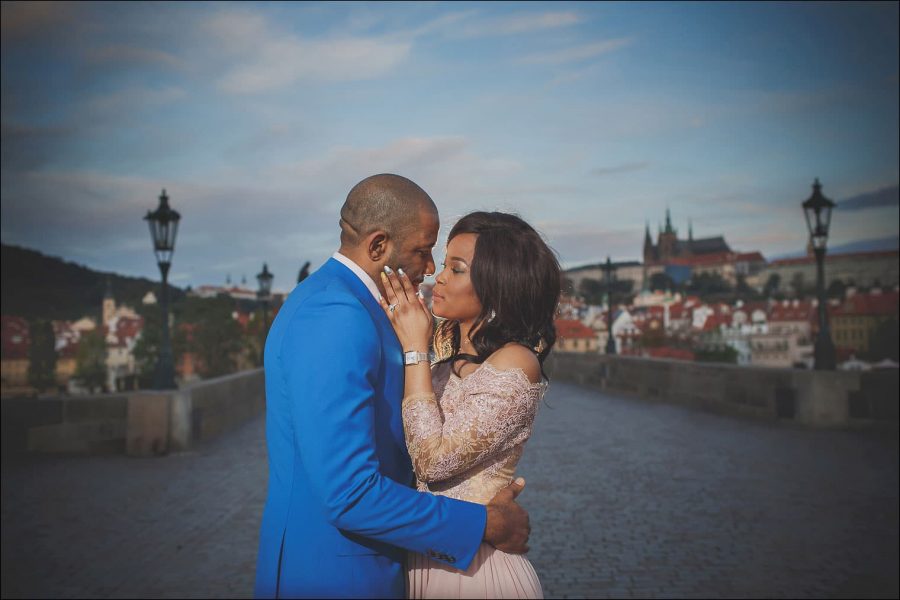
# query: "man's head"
(389, 220)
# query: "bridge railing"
(821, 399)
(149, 423)
(139, 423)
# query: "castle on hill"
(669, 247)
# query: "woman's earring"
(493, 315)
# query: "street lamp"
(610, 340)
(163, 228)
(817, 209)
(265, 287)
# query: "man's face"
(413, 254)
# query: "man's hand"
(507, 526)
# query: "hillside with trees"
(39, 286)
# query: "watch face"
(413, 358)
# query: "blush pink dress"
(465, 441)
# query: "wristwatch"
(413, 358)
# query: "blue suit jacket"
(341, 511)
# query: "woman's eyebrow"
(462, 260)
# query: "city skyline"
(589, 120)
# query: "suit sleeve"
(331, 357)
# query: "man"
(341, 512)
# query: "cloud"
(28, 147)
(623, 168)
(888, 196)
(130, 100)
(100, 223)
(134, 56)
(23, 19)
(581, 243)
(438, 155)
(577, 53)
(520, 23)
(268, 59)
(446, 24)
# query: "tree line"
(202, 327)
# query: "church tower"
(668, 239)
(648, 245)
(109, 303)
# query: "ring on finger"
(392, 307)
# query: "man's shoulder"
(328, 304)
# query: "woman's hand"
(406, 310)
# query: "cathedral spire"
(690, 231)
(668, 221)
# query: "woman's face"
(454, 295)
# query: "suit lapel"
(392, 387)
(360, 290)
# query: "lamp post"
(610, 340)
(817, 209)
(163, 228)
(265, 287)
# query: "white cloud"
(131, 99)
(622, 168)
(268, 59)
(133, 55)
(449, 154)
(576, 53)
(521, 23)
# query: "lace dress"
(466, 445)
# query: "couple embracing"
(390, 476)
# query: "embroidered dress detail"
(465, 443)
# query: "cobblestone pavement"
(627, 499)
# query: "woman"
(467, 418)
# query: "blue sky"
(587, 119)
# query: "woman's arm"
(498, 411)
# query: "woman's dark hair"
(517, 280)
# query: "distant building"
(859, 269)
(122, 334)
(67, 340)
(682, 259)
(787, 341)
(669, 247)
(629, 270)
(16, 341)
(858, 317)
(574, 336)
(234, 291)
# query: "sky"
(589, 120)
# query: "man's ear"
(378, 246)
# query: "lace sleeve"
(496, 413)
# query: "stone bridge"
(628, 498)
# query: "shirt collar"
(362, 275)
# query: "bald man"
(341, 510)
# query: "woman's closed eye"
(454, 269)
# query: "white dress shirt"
(363, 276)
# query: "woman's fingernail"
(388, 270)
(520, 481)
(400, 270)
